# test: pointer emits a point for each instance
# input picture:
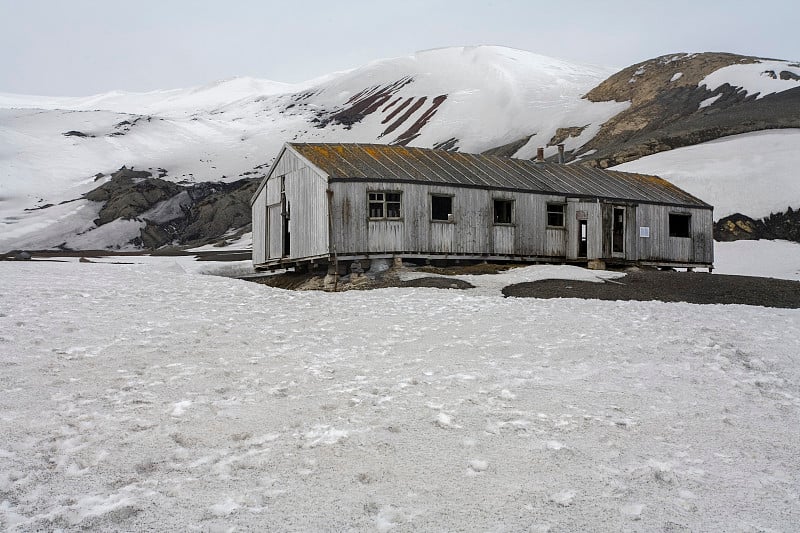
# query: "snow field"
(752, 173)
(138, 397)
(754, 78)
(767, 259)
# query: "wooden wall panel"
(698, 247)
(274, 228)
(259, 213)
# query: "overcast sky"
(82, 47)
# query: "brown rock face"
(665, 110)
(645, 81)
(562, 134)
(738, 227)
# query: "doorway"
(618, 231)
(285, 214)
(583, 238)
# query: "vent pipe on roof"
(561, 154)
(540, 155)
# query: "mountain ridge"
(472, 99)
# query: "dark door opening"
(286, 231)
(583, 238)
(618, 231)
(285, 216)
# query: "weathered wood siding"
(259, 212)
(555, 242)
(307, 205)
(697, 248)
(593, 216)
(274, 226)
(472, 230)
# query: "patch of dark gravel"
(691, 287)
(438, 283)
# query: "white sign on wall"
(644, 231)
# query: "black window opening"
(442, 208)
(503, 211)
(384, 205)
(555, 215)
(679, 225)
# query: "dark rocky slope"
(665, 110)
(174, 214)
(665, 114)
(736, 227)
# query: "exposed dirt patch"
(562, 134)
(290, 280)
(460, 270)
(691, 287)
(508, 150)
(380, 280)
(411, 133)
(450, 144)
(411, 110)
(365, 103)
(438, 283)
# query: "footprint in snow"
(223, 508)
(180, 407)
(445, 421)
(632, 510)
(477, 467)
(507, 394)
(563, 498)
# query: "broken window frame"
(682, 229)
(555, 215)
(384, 205)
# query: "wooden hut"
(321, 203)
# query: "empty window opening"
(442, 208)
(503, 211)
(384, 205)
(679, 225)
(555, 215)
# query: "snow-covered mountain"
(54, 150)
(470, 99)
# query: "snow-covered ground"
(766, 259)
(145, 396)
(752, 173)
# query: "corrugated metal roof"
(390, 163)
